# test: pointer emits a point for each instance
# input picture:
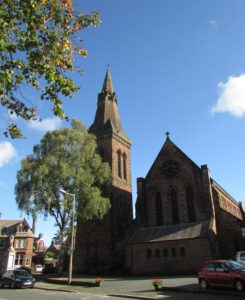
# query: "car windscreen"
(235, 265)
(21, 273)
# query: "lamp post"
(72, 235)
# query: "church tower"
(101, 242)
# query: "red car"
(222, 273)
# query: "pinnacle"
(107, 85)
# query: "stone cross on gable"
(167, 134)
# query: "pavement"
(130, 287)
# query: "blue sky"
(176, 66)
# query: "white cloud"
(213, 24)
(46, 124)
(231, 96)
(7, 152)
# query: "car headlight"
(18, 280)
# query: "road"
(37, 294)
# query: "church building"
(183, 217)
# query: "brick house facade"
(183, 217)
(16, 244)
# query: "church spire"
(107, 85)
(107, 118)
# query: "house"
(39, 244)
(54, 248)
(16, 244)
(39, 250)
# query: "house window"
(19, 259)
(28, 260)
(149, 254)
(20, 243)
(158, 207)
(174, 206)
(182, 252)
(190, 204)
(125, 166)
(119, 162)
(21, 228)
(165, 252)
(157, 253)
(173, 252)
(2, 243)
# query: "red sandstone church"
(183, 217)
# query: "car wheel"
(239, 285)
(203, 284)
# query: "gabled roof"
(7, 223)
(54, 247)
(170, 145)
(8, 228)
(170, 232)
(167, 145)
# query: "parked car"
(222, 273)
(240, 257)
(17, 278)
(27, 269)
(38, 268)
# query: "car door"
(223, 276)
(210, 273)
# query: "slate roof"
(170, 232)
(8, 227)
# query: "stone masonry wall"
(189, 175)
(228, 230)
(197, 251)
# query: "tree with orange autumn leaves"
(38, 41)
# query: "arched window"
(157, 253)
(173, 252)
(174, 206)
(165, 252)
(125, 166)
(158, 207)
(190, 204)
(119, 167)
(149, 254)
(182, 252)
